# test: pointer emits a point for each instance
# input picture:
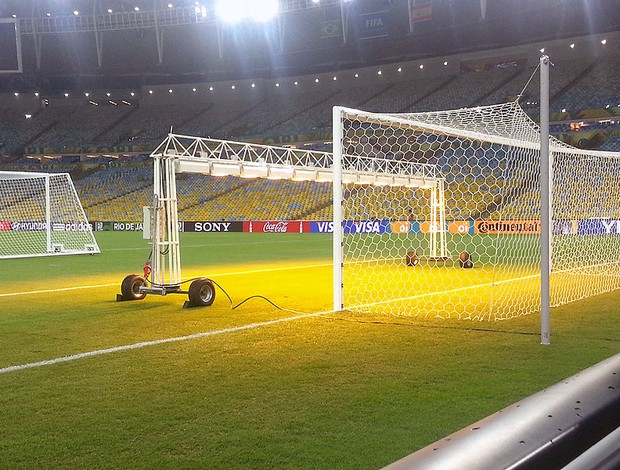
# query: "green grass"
(331, 391)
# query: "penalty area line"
(144, 344)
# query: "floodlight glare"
(233, 11)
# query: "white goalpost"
(41, 215)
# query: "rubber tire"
(201, 293)
(130, 285)
(468, 264)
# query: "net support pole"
(337, 204)
(546, 215)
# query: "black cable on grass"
(233, 307)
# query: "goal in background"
(41, 215)
(488, 162)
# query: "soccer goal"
(488, 162)
(41, 215)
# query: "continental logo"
(506, 227)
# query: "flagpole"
(410, 9)
(343, 17)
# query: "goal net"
(466, 243)
(40, 215)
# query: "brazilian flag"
(331, 29)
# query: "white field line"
(237, 273)
(144, 344)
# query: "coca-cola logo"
(275, 227)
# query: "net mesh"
(482, 209)
(40, 214)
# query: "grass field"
(255, 387)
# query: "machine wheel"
(201, 293)
(130, 287)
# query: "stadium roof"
(171, 40)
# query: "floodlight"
(366, 178)
(349, 178)
(304, 175)
(233, 11)
(277, 173)
(255, 171)
(225, 169)
(384, 180)
(324, 176)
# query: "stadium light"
(233, 11)
(278, 173)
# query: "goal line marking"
(144, 344)
(450, 291)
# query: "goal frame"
(52, 247)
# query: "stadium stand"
(119, 188)
(577, 84)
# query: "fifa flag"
(419, 11)
(373, 25)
